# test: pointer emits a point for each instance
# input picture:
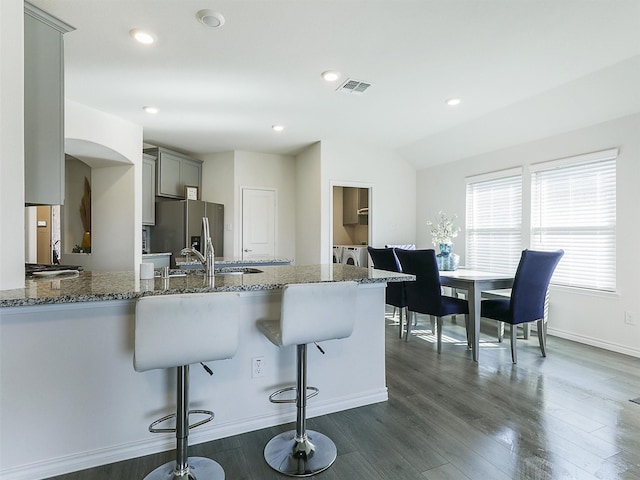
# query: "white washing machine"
(337, 254)
(355, 255)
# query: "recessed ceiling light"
(210, 18)
(452, 102)
(144, 37)
(151, 110)
(277, 128)
(331, 75)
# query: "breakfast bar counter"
(70, 394)
(101, 286)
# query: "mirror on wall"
(76, 235)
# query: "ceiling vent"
(353, 86)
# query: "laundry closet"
(350, 225)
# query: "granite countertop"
(233, 261)
(100, 286)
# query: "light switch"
(42, 223)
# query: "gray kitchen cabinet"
(173, 171)
(148, 190)
(354, 200)
(43, 107)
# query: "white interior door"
(258, 223)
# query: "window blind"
(573, 207)
(494, 222)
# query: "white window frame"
(493, 240)
(588, 238)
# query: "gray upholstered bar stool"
(311, 312)
(176, 331)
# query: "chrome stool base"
(295, 458)
(199, 468)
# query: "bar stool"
(176, 331)
(311, 312)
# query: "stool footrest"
(153, 429)
(272, 399)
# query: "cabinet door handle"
(247, 250)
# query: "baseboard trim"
(160, 443)
(594, 342)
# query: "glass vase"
(446, 259)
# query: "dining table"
(474, 282)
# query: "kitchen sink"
(236, 271)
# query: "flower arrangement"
(445, 230)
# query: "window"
(494, 221)
(573, 207)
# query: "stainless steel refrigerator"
(179, 225)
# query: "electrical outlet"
(629, 318)
(257, 367)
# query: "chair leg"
(183, 465)
(439, 321)
(514, 336)
(409, 325)
(433, 324)
(466, 326)
(300, 453)
(402, 310)
(500, 331)
(542, 336)
(526, 330)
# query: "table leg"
(474, 318)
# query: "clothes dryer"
(355, 255)
(337, 254)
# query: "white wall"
(218, 187)
(309, 206)
(113, 148)
(271, 171)
(225, 174)
(12, 236)
(392, 206)
(595, 319)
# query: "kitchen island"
(70, 398)
(183, 262)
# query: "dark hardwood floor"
(567, 416)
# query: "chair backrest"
(405, 246)
(384, 259)
(315, 312)
(531, 283)
(424, 295)
(175, 330)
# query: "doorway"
(259, 221)
(42, 242)
(351, 223)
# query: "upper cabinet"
(173, 171)
(355, 206)
(148, 190)
(43, 107)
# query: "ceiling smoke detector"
(210, 18)
(353, 86)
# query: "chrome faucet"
(207, 259)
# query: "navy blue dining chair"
(385, 259)
(528, 294)
(425, 294)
